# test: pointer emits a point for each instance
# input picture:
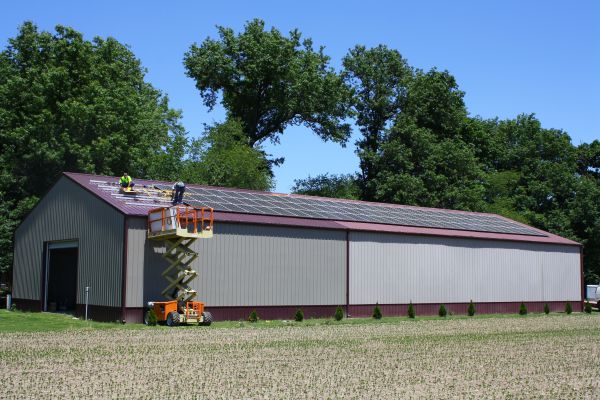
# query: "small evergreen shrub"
(471, 309)
(152, 320)
(253, 317)
(339, 314)
(442, 311)
(546, 309)
(411, 310)
(568, 308)
(13, 307)
(299, 317)
(588, 307)
(377, 312)
(522, 309)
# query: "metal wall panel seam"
(347, 273)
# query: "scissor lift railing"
(179, 227)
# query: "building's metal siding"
(144, 264)
(68, 212)
(397, 269)
(249, 265)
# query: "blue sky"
(510, 57)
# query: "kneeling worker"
(126, 181)
(178, 191)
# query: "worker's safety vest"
(125, 179)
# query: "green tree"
(270, 81)
(417, 167)
(377, 312)
(588, 159)
(522, 309)
(253, 317)
(378, 78)
(540, 165)
(337, 186)
(471, 309)
(425, 158)
(220, 158)
(69, 104)
(339, 313)
(442, 311)
(536, 175)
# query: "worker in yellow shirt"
(126, 181)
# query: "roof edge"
(337, 224)
(332, 199)
(68, 175)
(385, 228)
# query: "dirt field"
(554, 356)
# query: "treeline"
(69, 104)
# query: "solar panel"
(319, 208)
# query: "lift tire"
(208, 318)
(173, 318)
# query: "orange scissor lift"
(178, 227)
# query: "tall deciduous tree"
(425, 158)
(69, 104)
(270, 81)
(378, 78)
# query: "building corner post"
(124, 269)
(582, 276)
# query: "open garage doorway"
(61, 276)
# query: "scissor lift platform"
(180, 222)
(178, 227)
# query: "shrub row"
(299, 316)
(442, 312)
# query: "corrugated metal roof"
(239, 205)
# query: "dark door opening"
(62, 279)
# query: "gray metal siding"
(143, 264)
(249, 265)
(396, 269)
(69, 212)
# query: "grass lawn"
(491, 356)
(18, 321)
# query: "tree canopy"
(220, 158)
(325, 185)
(424, 157)
(69, 104)
(378, 78)
(269, 81)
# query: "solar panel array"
(317, 208)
